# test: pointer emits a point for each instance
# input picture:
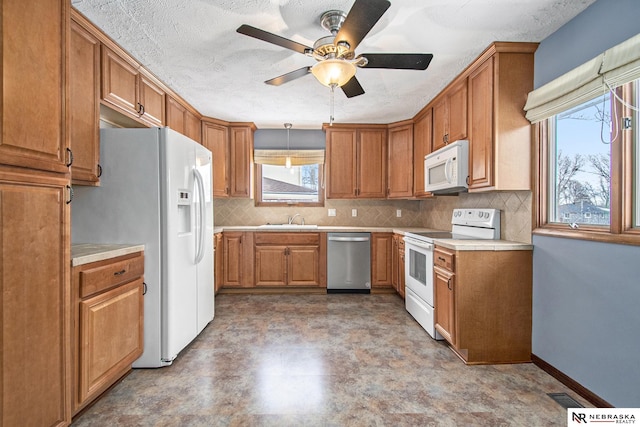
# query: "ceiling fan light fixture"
(333, 72)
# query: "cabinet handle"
(449, 283)
(388, 191)
(70, 157)
(467, 180)
(99, 170)
(441, 259)
(445, 138)
(119, 273)
(140, 109)
(70, 194)
(226, 190)
(144, 288)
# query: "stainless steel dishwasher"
(349, 263)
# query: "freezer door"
(179, 302)
(204, 267)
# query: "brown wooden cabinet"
(218, 261)
(181, 119)
(499, 133)
(400, 160)
(131, 90)
(397, 264)
(232, 149)
(422, 142)
(238, 259)
(34, 88)
(381, 259)
(35, 354)
(289, 259)
(356, 162)
(84, 107)
(108, 323)
(450, 114)
(483, 303)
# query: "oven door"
(418, 264)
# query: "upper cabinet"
(84, 108)
(422, 138)
(131, 90)
(499, 133)
(356, 163)
(34, 89)
(181, 119)
(400, 160)
(231, 145)
(450, 115)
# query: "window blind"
(614, 67)
(298, 157)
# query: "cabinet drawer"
(287, 238)
(106, 274)
(444, 259)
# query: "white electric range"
(471, 223)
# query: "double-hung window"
(588, 149)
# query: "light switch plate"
(332, 212)
(354, 212)
(399, 213)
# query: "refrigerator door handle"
(203, 212)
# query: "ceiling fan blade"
(361, 18)
(301, 72)
(352, 88)
(398, 61)
(259, 34)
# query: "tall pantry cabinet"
(34, 213)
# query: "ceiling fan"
(335, 54)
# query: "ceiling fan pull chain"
(333, 86)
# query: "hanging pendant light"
(287, 160)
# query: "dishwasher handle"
(348, 239)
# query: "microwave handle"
(447, 170)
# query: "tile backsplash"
(515, 209)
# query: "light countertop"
(483, 245)
(84, 253)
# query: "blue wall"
(586, 295)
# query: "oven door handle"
(417, 243)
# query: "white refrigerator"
(155, 189)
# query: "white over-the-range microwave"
(446, 170)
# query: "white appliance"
(446, 170)
(419, 297)
(155, 189)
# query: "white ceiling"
(193, 47)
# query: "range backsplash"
(435, 213)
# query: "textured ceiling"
(193, 47)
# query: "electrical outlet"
(354, 212)
(332, 212)
(398, 213)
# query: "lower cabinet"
(289, 259)
(237, 259)
(108, 323)
(381, 262)
(397, 264)
(483, 303)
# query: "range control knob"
(479, 214)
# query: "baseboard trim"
(585, 393)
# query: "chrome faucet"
(291, 218)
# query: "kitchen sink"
(289, 226)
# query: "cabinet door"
(401, 278)
(440, 123)
(218, 266)
(84, 105)
(34, 284)
(381, 254)
(422, 137)
(395, 257)
(232, 259)
(111, 337)
(400, 162)
(303, 266)
(444, 289)
(34, 67)
(216, 138)
(241, 154)
(176, 115)
(481, 128)
(271, 265)
(152, 99)
(341, 164)
(120, 83)
(458, 112)
(192, 126)
(372, 163)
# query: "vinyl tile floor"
(325, 360)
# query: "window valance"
(614, 67)
(298, 157)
